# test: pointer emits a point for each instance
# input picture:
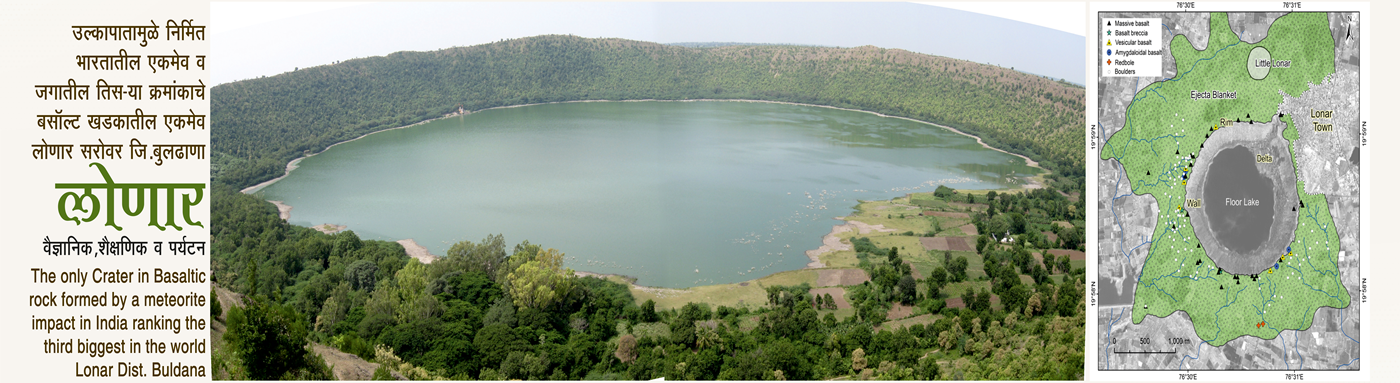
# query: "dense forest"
(258, 125)
(493, 312)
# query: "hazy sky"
(262, 39)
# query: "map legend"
(1131, 47)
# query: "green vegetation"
(1157, 155)
(530, 318)
(488, 312)
(261, 124)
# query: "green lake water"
(676, 194)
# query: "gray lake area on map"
(1247, 216)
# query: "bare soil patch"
(1074, 255)
(838, 294)
(347, 366)
(899, 311)
(946, 243)
(968, 229)
(1052, 237)
(955, 302)
(1063, 223)
(841, 277)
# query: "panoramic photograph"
(639, 191)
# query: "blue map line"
(1353, 360)
(1108, 363)
(1295, 347)
(1343, 325)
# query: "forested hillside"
(260, 124)
(491, 312)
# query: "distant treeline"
(258, 125)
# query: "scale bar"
(1144, 352)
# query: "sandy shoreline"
(329, 228)
(831, 242)
(417, 251)
(283, 209)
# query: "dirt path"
(347, 366)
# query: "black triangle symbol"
(1188, 214)
(1237, 119)
(1222, 287)
(1149, 172)
(1178, 151)
(1110, 23)
(1295, 208)
(1246, 115)
(1280, 115)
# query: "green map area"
(1164, 132)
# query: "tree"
(829, 302)
(858, 360)
(1017, 223)
(216, 309)
(1067, 300)
(938, 277)
(706, 336)
(495, 342)
(649, 312)
(1034, 305)
(958, 269)
(270, 338)
(626, 349)
(907, 289)
(361, 274)
(933, 289)
(487, 256)
(983, 301)
(541, 282)
(1071, 237)
(944, 192)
